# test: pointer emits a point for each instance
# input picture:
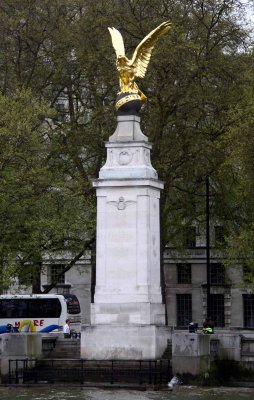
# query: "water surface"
(79, 393)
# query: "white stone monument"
(127, 316)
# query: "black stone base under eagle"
(128, 103)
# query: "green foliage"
(240, 144)
(40, 212)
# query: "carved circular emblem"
(124, 158)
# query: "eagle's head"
(122, 61)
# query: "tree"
(239, 144)
(40, 57)
(40, 213)
(60, 51)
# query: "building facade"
(185, 272)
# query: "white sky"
(250, 10)
(249, 17)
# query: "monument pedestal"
(123, 342)
(127, 316)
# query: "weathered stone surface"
(128, 160)
(128, 243)
(138, 342)
(18, 346)
(128, 129)
(229, 346)
(127, 312)
(190, 353)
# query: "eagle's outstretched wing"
(142, 54)
(117, 41)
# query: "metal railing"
(138, 372)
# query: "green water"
(77, 393)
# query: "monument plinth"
(127, 316)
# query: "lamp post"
(208, 299)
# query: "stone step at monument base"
(65, 348)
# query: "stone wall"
(192, 353)
(18, 346)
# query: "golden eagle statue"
(127, 69)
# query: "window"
(190, 237)
(219, 235)
(184, 273)
(248, 310)
(30, 308)
(217, 274)
(13, 308)
(73, 306)
(217, 309)
(55, 270)
(63, 289)
(62, 112)
(44, 308)
(26, 277)
(184, 309)
(248, 272)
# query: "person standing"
(208, 326)
(67, 329)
